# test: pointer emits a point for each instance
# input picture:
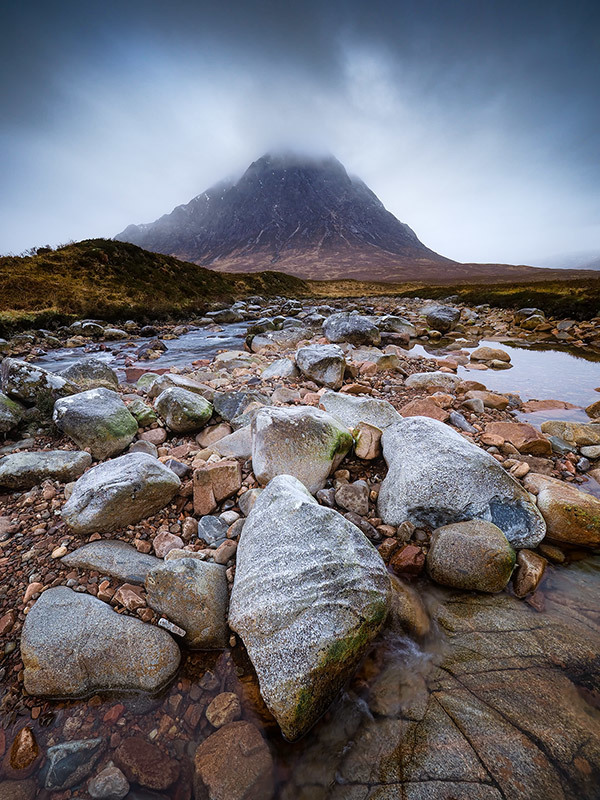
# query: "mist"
(476, 124)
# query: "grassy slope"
(116, 280)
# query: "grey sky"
(477, 122)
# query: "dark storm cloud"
(477, 122)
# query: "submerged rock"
(97, 419)
(304, 442)
(308, 615)
(73, 645)
(437, 477)
(119, 492)
(472, 555)
(322, 363)
(24, 470)
(68, 763)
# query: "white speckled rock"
(352, 328)
(119, 492)
(322, 363)
(437, 477)
(29, 383)
(304, 442)
(435, 380)
(73, 645)
(24, 470)
(97, 419)
(307, 613)
(183, 411)
(91, 373)
(351, 410)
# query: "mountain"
(307, 217)
(588, 259)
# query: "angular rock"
(392, 324)
(442, 318)
(214, 483)
(118, 493)
(11, 413)
(192, 594)
(69, 763)
(91, 373)
(144, 415)
(282, 368)
(529, 573)
(73, 645)
(272, 341)
(351, 411)
(433, 380)
(171, 380)
(24, 470)
(524, 437)
(352, 328)
(97, 419)
(31, 384)
(354, 497)
(593, 410)
(146, 764)
(108, 784)
(237, 445)
(322, 363)
(424, 407)
(230, 405)
(183, 411)
(112, 557)
(225, 708)
(234, 763)
(472, 555)
(489, 399)
(571, 516)
(304, 442)
(437, 477)
(581, 434)
(308, 615)
(367, 441)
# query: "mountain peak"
(299, 213)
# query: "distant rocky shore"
(244, 541)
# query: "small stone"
(164, 542)
(144, 763)
(424, 408)
(109, 784)
(225, 551)
(367, 440)
(354, 497)
(225, 708)
(530, 569)
(410, 560)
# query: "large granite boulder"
(445, 381)
(351, 410)
(24, 470)
(322, 363)
(120, 492)
(437, 477)
(74, 645)
(11, 413)
(442, 318)
(97, 419)
(581, 434)
(32, 384)
(192, 594)
(183, 411)
(304, 442)
(157, 386)
(352, 328)
(392, 324)
(113, 557)
(91, 373)
(472, 555)
(571, 516)
(308, 612)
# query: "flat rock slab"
(24, 470)
(73, 645)
(120, 492)
(308, 613)
(437, 477)
(350, 411)
(113, 557)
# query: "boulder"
(11, 413)
(183, 411)
(91, 373)
(352, 328)
(230, 405)
(237, 445)
(234, 763)
(308, 613)
(273, 341)
(524, 437)
(282, 368)
(24, 470)
(32, 384)
(170, 379)
(433, 380)
(118, 493)
(490, 354)
(424, 407)
(442, 318)
(524, 313)
(97, 419)
(593, 410)
(437, 477)
(112, 557)
(192, 594)
(304, 442)
(472, 555)
(74, 645)
(322, 363)
(351, 411)
(392, 324)
(571, 516)
(581, 434)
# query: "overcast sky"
(477, 122)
